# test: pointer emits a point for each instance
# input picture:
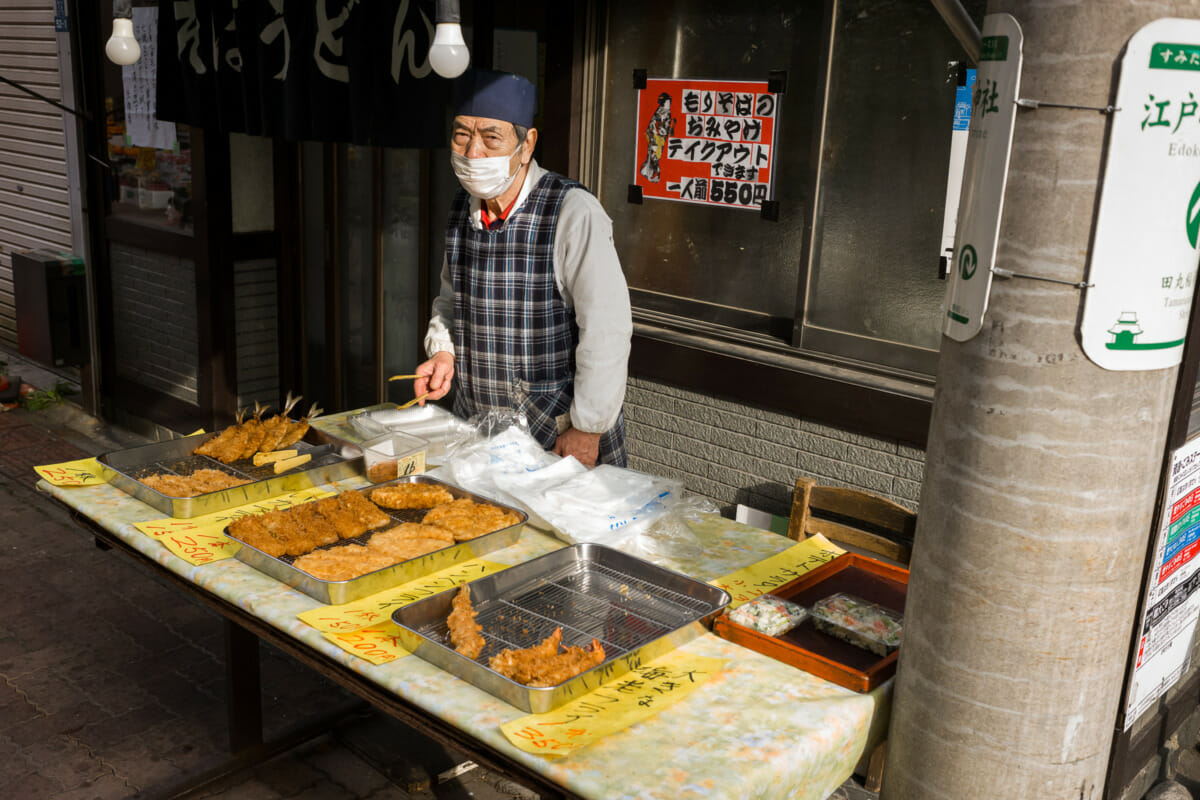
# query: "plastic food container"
(862, 624)
(394, 455)
(768, 614)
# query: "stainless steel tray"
(338, 592)
(333, 460)
(638, 610)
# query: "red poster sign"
(709, 142)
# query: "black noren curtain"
(321, 70)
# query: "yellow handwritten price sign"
(769, 574)
(202, 540)
(84, 472)
(376, 609)
(635, 696)
(378, 644)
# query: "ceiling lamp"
(448, 55)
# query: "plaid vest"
(514, 334)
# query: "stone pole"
(1041, 472)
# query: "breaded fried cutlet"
(416, 530)
(202, 481)
(468, 519)
(405, 548)
(341, 563)
(252, 531)
(316, 526)
(353, 501)
(346, 522)
(411, 495)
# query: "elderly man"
(533, 313)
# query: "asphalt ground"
(112, 684)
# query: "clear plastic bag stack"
(642, 514)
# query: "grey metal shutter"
(34, 203)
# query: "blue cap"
(495, 95)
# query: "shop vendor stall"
(754, 727)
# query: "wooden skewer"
(414, 401)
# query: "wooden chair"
(863, 522)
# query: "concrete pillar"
(1041, 473)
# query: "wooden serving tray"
(811, 650)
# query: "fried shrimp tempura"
(464, 630)
(411, 495)
(542, 665)
(202, 481)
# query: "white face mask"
(484, 178)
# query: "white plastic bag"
(496, 445)
(604, 505)
(669, 537)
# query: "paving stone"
(48, 691)
(106, 787)
(62, 722)
(32, 786)
(65, 761)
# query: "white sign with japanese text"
(1143, 265)
(993, 111)
(139, 85)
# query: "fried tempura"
(542, 665)
(411, 495)
(510, 663)
(468, 519)
(202, 481)
(464, 630)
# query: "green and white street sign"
(1144, 258)
(993, 111)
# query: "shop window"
(848, 274)
(150, 180)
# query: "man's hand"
(574, 442)
(436, 374)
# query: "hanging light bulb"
(122, 47)
(448, 55)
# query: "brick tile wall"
(155, 320)
(734, 453)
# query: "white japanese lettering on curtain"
(328, 70)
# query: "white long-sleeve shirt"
(588, 274)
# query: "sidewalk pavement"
(112, 684)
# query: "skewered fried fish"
(297, 428)
(254, 435)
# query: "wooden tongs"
(415, 400)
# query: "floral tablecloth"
(758, 729)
